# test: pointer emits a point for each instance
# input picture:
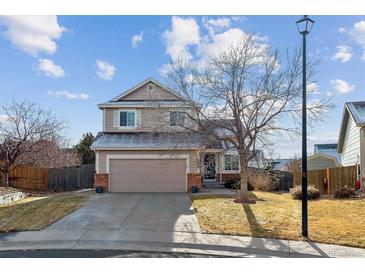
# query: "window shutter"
(138, 118)
(116, 118)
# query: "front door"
(209, 166)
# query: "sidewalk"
(199, 243)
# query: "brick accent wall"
(101, 179)
(229, 176)
(194, 179)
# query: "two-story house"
(146, 144)
(351, 141)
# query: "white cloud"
(343, 54)
(221, 41)
(33, 34)
(214, 25)
(329, 93)
(49, 68)
(357, 33)
(136, 39)
(312, 88)
(4, 118)
(105, 70)
(342, 86)
(323, 137)
(341, 30)
(183, 33)
(68, 95)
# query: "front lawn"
(277, 215)
(34, 213)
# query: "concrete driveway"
(170, 212)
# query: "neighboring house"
(328, 149)
(351, 141)
(280, 164)
(325, 156)
(145, 145)
(321, 161)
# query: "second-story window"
(127, 119)
(177, 118)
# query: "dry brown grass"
(36, 213)
(277, 215)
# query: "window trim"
(177, 118)
(153, 87)
(135, 118)
(224, 163)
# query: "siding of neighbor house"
(148, 119)
(362, 154)
(321, 162)
(351, 144)
(193, 157)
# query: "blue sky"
(72, 63)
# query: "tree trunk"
(244, 180)
(5, 179)
(5, 174)
(244, 197)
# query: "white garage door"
(147, 175)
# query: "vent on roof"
(150, 87)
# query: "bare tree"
(25, 127)
(55, 152)
(294, 164)
(245, 95)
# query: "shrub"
(270, 172)
(313, 193)
(345, 193)
(236, 185)
(262, 181)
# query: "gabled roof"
(355, 110)
(144, 82)
(330, 157)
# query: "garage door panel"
(147, 175)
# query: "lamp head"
(305, 25)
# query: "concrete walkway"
(187, 242)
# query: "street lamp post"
(304, 26)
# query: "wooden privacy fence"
(286, 180)
(336, 178)
(29, 178)
(52, 179)
(71, 178)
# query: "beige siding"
(148, 119)
(193, 156)
(143, 94)
(351, 144)
(321, 162)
